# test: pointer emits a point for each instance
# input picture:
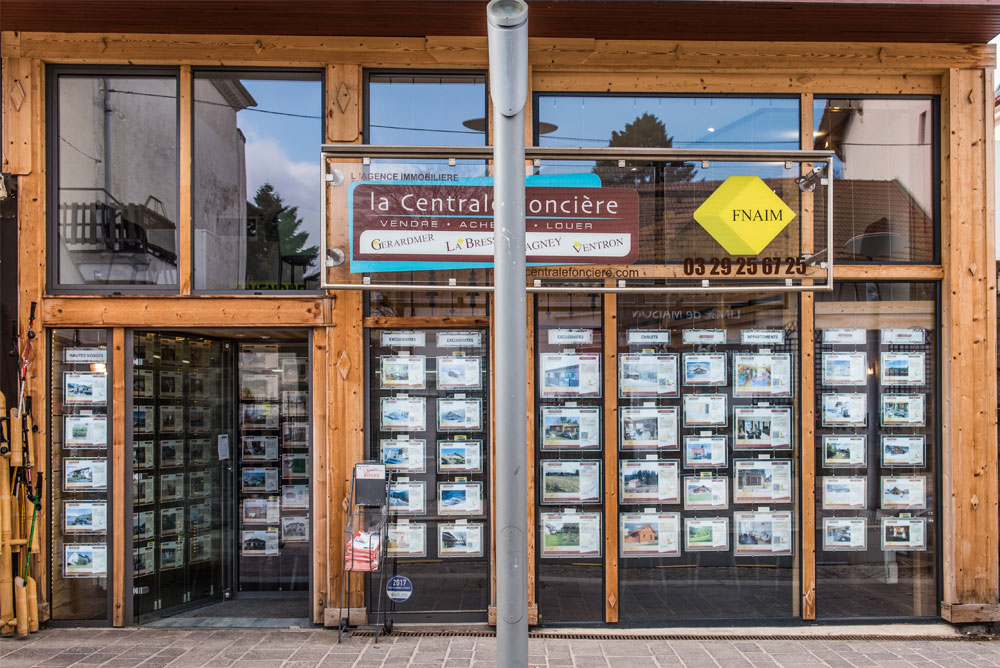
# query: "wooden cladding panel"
(345, 429)
(185, 155)
(969, 396)
(18, 111)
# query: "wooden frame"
(961, 74)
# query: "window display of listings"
(429, 422)
(707, 475)
(81, 477)
(876, 435)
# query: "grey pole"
(507, 26)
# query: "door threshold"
(232, 623)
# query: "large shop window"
(669, 193)
(885, 194)
(429, 421)
(427, 108)
(877, 449)
(113, 206)
(256, 209)
(702, 450)
(80, 481)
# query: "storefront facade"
(766, 453)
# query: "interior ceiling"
(248, 334)
(961, 21)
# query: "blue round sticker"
(399, 588)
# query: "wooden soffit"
(954, 21)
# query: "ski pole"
(36, 502)
(24, 359)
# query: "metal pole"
(507, 26)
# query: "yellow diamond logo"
(744, 215)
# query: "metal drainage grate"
(673, 636)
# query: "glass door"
(275, 550)
(181, 433)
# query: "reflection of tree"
(274, 238)
(646, 131)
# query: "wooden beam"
(458, 51)
(320, 533)
(969, 387)
(183, 312)
(710, 81)
(121, 481)
(343, 104)
(609, 340)
(185, 238)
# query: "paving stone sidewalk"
(308, 648)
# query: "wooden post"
(121, 520)
(185, 240)
(969, 385)
(609, 339)
(320, 476)
(807, 389)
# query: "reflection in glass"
(884, 195)
(754, 573)
(876, 556)
(256, 181)
(426, 109)
(670, 192)
(116, 151)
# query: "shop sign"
(640, 336)
(403, 339)
(762, 337)
(744, 215)
(570, 336)
(459, 339)
(717, 336)
(400, 226)
(845, 336)
(85, 355)
(902, 336)
(399, 588)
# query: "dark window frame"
(258, 74)
(53, 74)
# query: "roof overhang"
(956, 21)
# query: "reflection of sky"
(425, 113)
(693, 122)
(284, 150)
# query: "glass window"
(426, 108)
(429, 421)
(876, 450)
(708, 526)
(256, 209)
(569, 463)
(670, 192)
(81, 474)
(116, 151)
(885, 201)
